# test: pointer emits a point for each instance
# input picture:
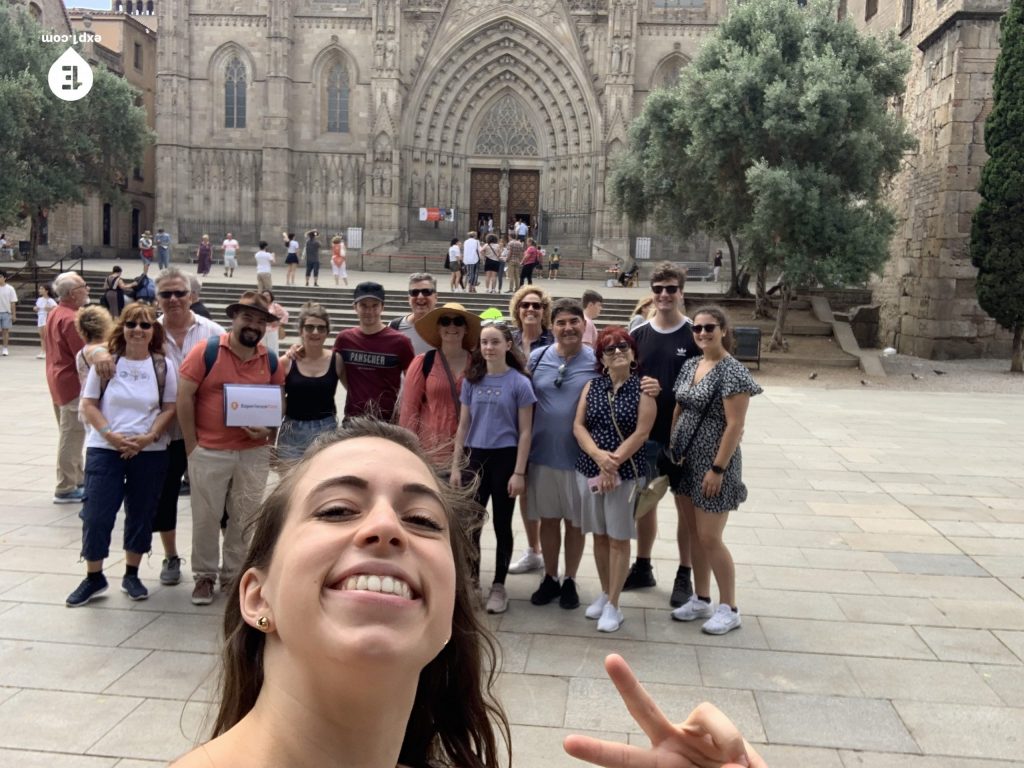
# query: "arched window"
(234, 94)
(337, 99)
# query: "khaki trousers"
(70, 464)
(211, 474)
(264, 281)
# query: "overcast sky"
(97, 5)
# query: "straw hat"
(428, 330)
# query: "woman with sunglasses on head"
(353, 640)
(613, 421)
(493, 440)
(430, 405)
(712, 394)
(310, 385)
(126, 449)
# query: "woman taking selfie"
(353, 639)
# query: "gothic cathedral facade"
(328, 114)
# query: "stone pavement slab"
(880, 580)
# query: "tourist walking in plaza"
(531, 259)
(339, 261)
(184, 329)
(560, 372)
(613, 419)
(264, 267)
(530, 310)
(375, 357)
(430, 404)
(230, 248)
(146, 251)
(422, 300)
(310, 386)
(162, 240)
(292, 259)
(454, 262)
(492, 263)
(204, 257)
(312, 253)
(8, 311)
(503, 254)
(389, 632)
(126, 449)
(493, 440)
(276, 329)
(712, 394)
(717, 268)
(664, 343)
(471, 260)
(516, 249)
(114, 287)
(222, 457)
(44, 305)
(553, 264)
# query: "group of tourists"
(500, 258)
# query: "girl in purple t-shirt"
(495, 422)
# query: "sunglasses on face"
(458, 322)
(501, 325)
(531, 305)
(172, 294)
(706, 328)
(131, 325)
(669, 289)
(414, 292)
(315, 328)
(621, 346)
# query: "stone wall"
(927, 291)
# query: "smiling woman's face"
(363, 571)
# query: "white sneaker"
(611, 619)
(41, 356)
(530, 561)
(694, 608)
(5, 353)
(724, 620)
(497, 601)
(596, 608)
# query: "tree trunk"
(33, 238)
(734, 287)
(1017, 357)
(778, 340)
(762, 305)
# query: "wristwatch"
(717, 469)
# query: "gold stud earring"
(263, 623)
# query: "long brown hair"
(136, 312)
(454, 715)
(513, 357)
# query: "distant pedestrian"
(204, 256)
(230, 247)
(292, 259)
(471, 260)
(492, 264)
(313, 247)
(339, 260)
(717, 269)
(264, 265)
(553, 264)
(455, 263)
(593, 303)
(146, 251)
(163, 248)
(275, 329)
(8, 311)
(44, 304)
(531, 259)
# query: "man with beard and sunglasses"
(422, 300)
(222, 457)
(664, 343)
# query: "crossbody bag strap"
(615, 423)
(700, 422)
(451, 383)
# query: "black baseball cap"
(368, 290)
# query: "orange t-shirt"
(211, 432)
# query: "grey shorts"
(5, 321)
(553, 494)
(609, 513)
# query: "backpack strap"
(544, 351)
(105, 382)
(428, 362)
(213, 349)
(396, 323)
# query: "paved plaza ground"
(880, 562)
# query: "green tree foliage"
(779, 133)
(52, 151)
(997, 232)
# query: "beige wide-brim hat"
(428, 330)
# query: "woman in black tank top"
(310, 385)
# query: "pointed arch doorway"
(517, 198)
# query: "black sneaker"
(548, 590)
(568, 597)
(641, 576)
(134, 588)
(87, 590)
(681, 589)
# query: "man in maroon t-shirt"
(375, 357)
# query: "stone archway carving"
(506, 130)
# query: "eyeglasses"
(670, 289)
(458, 322)
(706, 328)
(314, 328)
(621, 346)
(172, 294)
(530, 305)
(414, 292)
(131, 325)
(561, 375)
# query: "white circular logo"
(70, 76)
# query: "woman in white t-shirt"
(44, 304)
(292, 259)
(264, 262)
(455, 264)
(125, 449)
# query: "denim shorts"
(5, 321)
(295, 436)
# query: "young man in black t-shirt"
(664, 343)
